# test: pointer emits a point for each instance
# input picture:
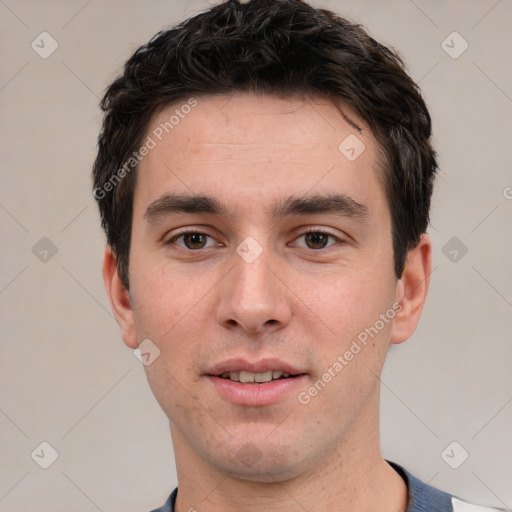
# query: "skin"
(303, 305)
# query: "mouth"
(256, 378)
(260, 383)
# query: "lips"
(246, 383)
(261, 366)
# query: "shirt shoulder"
(422, 497)
(464, 506)
(168, 506)
(425, 498)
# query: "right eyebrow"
(175, 203)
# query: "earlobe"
(119, 298)
(411, 291)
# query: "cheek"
(356, 342)
(346, 302)
(174, 309)
(165, 299)
(170, 386)
(171, 312)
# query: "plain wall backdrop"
(66, 377)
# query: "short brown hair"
(281, 47)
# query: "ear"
(411, 290)
(119, 297)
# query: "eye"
(192, 240)
(317, 240)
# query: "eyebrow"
(338, 204)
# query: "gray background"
(67, 378)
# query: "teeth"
(248, 377)
(263, 377)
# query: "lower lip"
(256, 394)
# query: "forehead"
(246, 118)
(258, 147)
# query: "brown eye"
(316, 240)
(194, 240)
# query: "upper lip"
(263, 365)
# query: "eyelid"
(315, 229)
(323, 231)
(187, 231)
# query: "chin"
(254, 465)
(264, 473)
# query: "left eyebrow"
(339, 204)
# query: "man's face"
(294, 296)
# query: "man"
(264, 177)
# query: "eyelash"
(176, 237)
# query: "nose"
(253, 297)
